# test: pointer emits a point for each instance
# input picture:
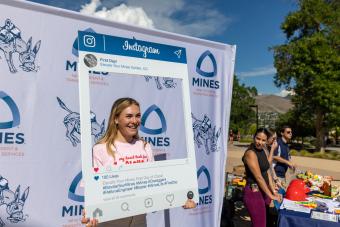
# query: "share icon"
(178, 53)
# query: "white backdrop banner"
(40, 164)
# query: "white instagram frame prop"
(176, 180)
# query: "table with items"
(310, 200)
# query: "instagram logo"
(89, 41)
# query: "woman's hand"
(292, 165)
(278, 184)
(87, 221)
(277, 197)
(274, 145)
(189, 204)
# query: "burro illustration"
(72, 124)
(12, 43)
(205, 134)
(167, 82)
(13, 201)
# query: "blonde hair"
(112, 130)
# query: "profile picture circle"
(190, 195)
(90, 60)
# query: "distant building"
(270, 107)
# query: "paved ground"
(318, 166)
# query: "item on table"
(296, 192)
(300, 184)
(321, 206)
(335, 191)
(239, 182)
(326, 188)
(319, 183)
(308, 204)
(321, 196)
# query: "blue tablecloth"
(288, 218)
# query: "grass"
(246, 140)
(332, 155)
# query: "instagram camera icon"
(89, 41)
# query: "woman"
(258, 191)
(271, 147)
(122, 145)
(272, 209)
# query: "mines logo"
(9, 134)
(154, 135)
(204, 188)
(206, 78)
(75, 194)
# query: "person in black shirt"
(258, 191)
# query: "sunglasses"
(289, 132)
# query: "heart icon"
(96, 169)
(96, 177)
(170, 198)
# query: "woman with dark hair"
(270, 149)
(271, 144)
(258, 191)
(272, 209)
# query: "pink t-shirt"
(125, 153)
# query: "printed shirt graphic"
(125, 153)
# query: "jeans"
(255, 202)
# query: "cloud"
(200, 20)
(122, 13)
(261, 71)
(285, 93)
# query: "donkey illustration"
(11, 42)
(72, 124)
(166, 82)
(13, 202)
(204, 131)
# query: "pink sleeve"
(97, 157)
(149, 152)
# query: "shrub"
(317, 155)
(304, 152)
(246, 140)
(333, 155)
(294, 152)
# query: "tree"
(309, 62)
(242, 115)
(300, 120)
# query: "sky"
(252, 25)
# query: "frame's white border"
(188, 165)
